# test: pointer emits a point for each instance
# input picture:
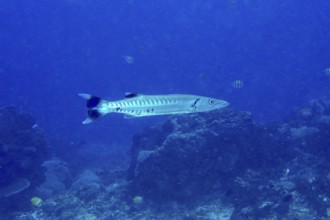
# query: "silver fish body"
(150, 105)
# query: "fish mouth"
(223, 104)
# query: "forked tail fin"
(92, 103)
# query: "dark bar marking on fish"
(93, 114)
(130, 95)
(194, 105)
(92, 102)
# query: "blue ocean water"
(52, 50)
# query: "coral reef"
(58, 178)
(198, 154)
(23, 148)
(263, 170)
(219, 165)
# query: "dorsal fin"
(131, 95)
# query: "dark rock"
(287, 198)
(196, 154)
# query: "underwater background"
(264, 157)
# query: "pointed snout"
(222, 103)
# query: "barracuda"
(138, 105)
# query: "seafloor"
(214, 166)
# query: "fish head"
(208, 104)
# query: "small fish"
(138, 105)
(129, 59)
(238, 84)
(36, 201)
(137, 200)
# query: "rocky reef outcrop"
(197, 154)
(263, 170)
(218, 165)
(23, 148)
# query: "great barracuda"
(138, 105)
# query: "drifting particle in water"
(202, 75)
(327, 72)
(238, 84)
(129, 59)
(232, 3)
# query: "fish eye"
(211, 101)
